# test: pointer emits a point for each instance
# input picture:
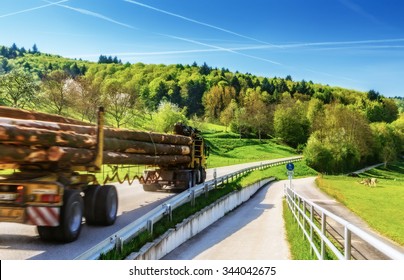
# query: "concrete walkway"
(254, 231)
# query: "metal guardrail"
(303, 211)
(146, 222)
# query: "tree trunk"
(54, 126)
(123, 134)
(137, 147)
(30, 115)
(143, 136)
(25, 136)
(10, 154)
(74, 156)
(162, 160)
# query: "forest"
(338, 130)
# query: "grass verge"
(381, 207)
(298, 245)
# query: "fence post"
(214, 177)
(311, 227)
(150, 226)
(347, 243)
(118, 244)
(304, 217)
(169, 210)
(323, 231)
(192, 197)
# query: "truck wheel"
(71, 216)
(90, 197)
(203, 175)
(106, 205)
(151, 187)
(70, 220)
(47, 233)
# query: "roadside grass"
(298, 245)
(382, 207)
(301, 171)
(225, 150)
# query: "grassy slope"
(231, 150)
(382, 207)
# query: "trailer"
(53, 162)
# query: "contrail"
(217, 49)
(93, 14)
(32, 9)
(198, 22)
(220, 48)
(342, 43)
(359, 10)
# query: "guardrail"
(146, 222)
(304, 211)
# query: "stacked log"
(31, 137)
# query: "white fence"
(312, 219)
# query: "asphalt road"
(19, 242)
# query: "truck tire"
(71, 216)
(151, 187)
(106, 205)
(47, 233)
(90, 198)
(203, 175)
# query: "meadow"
(382, 206)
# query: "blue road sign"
(290, 166)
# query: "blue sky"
(357, 44)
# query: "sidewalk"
(254, 231)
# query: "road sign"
(290, 166)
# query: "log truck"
(48, 165)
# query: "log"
(10, 134)
(143, 136)
(70, 156)
(137, 147)
(162, 160)
(11, 154)
(31, 115)
(123, 134)
(74, 156)
(80, 129)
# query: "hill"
(338, 129)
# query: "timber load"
(31, 138)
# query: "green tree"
(166, 116)
(387, 142)
(258, 114)
(87, 98)
(315, 114)
(55, 92)
(18, 89)
(217, 99)
(291, 123)
(341, 143)
(192, 92)
(117, 101)
(229, 113)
